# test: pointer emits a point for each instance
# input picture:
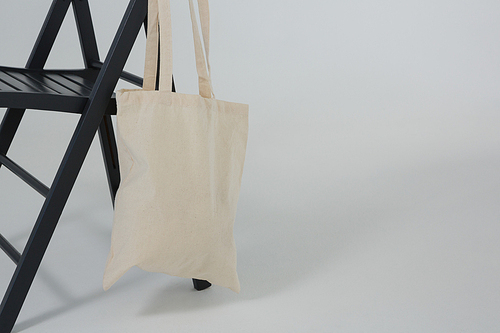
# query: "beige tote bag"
(181, 161)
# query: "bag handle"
(159, 16)
(151, 62)
(202, 67)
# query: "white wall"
(371, 187)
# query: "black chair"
(88, 92)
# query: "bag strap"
(205, 27)
(159, 15)
(151, 62)
(203, 68)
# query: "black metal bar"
(106, 133)
(71, 164)
(39, 54)
(9, 249)
(127, 76)
(8, 128)
(48, 34)
(110, 154)
(12, 118)
(24, 175)
(86, 32)
(37, 59)
(131, 78)
(201, 284)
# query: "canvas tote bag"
(181, 161)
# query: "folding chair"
(88, 92)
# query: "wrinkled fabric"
(181, 161)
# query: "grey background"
(370, 196)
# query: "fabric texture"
(181, 162)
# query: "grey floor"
(370, 199)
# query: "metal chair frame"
(88, 92)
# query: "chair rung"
(129, 77)
(24, 175)
(9, 249)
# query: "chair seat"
(54, 90)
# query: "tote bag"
(181, 160)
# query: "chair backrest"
(51, 27)
(52, 24)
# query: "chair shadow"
(281, 244)
(277, 248)
(286, 240)
(71, 303)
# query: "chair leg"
(8, 128)
(110, 154)
(201, 284)
(46, 222)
